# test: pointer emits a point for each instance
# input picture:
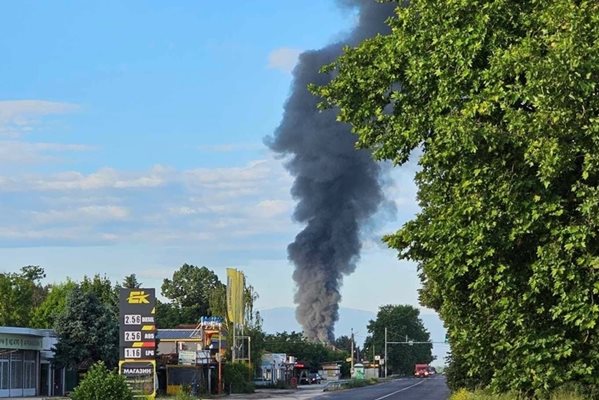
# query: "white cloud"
(15, 152)
(74, 235)
(88, 214)
(283, 59)
(18, 117)
(236, 181)
(272, 208)
(160, 205)
(106, 178)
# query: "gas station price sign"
(137, 324)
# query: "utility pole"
(220, 370)
(352, 351)
(233, 350)
(385, 352)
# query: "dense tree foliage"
(343, 343)
(403, 324)
(104, 290)
(44, 316)
(20, 294)
(501, 98)
(87, 332)
(189, 291)
(310, 352)
(131, 282)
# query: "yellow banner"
(235, 289)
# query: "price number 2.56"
(132, 319)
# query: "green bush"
(569, 392)
(101, 384)
(184, 395)
(238, 378)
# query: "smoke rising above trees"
(337, 186)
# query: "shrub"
(101, 384)
(184, 395)
(238, 378)
(461, 394)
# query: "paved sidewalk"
(272, 394)
(280, 394)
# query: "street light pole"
(385, 352)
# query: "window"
(29, 372)
(4, 360)
(16, 370)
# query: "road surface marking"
(400, 390)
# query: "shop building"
(26, 363)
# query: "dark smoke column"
(337, 186)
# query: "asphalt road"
(433, 388)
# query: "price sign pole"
(137, 340)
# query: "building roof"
(175, 334)
(12, 330)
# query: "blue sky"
(131, 142)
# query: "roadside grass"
(463, 394)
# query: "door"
(45, 379)
(58, 382)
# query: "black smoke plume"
(337, 186)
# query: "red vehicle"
(421, 371)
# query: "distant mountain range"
(281, 319)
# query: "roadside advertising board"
(140, 377)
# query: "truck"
(421, 370)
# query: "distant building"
(274, 367)
(26, 367)
(331, 371)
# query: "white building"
(274, 367)
(26, 363)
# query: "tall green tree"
(190, 289)
(131, 282)
(103, 289)
(170, 315)
(501, 98)
(403, 324)
(20, 294)
(87, 332)
(344, 343)
(44, 316)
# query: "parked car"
(314, 378)
(304, 378)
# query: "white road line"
(400, 390)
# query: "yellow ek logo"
(138, 297)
